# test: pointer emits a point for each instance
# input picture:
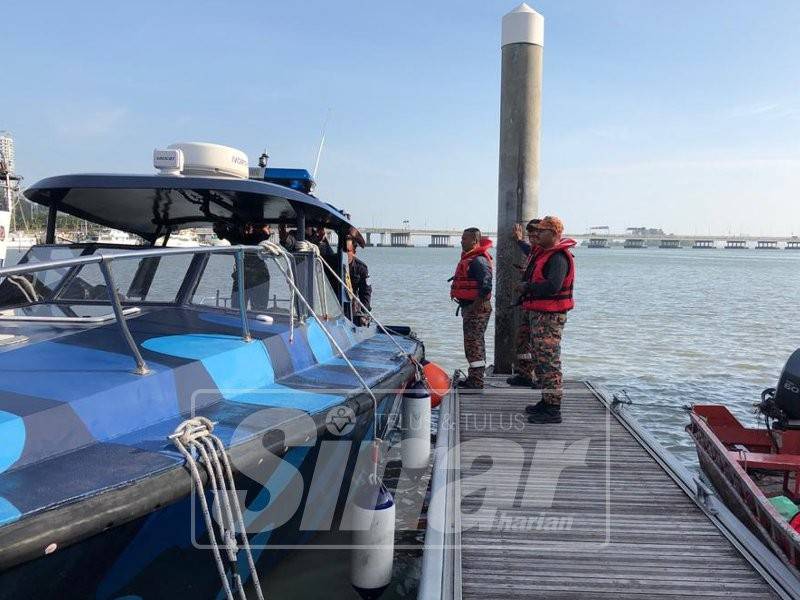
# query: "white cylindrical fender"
(372, 557)
(415, 444)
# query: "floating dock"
(591, 508)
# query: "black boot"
(470, 384)
(532, 409)
(519, 381)
(550, 413)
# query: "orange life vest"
(463, 286)
(562, 300)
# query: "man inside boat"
(256, 272)
(547, 295)
(315, 235)
(358, 285)
(472, 288)
(524, 376)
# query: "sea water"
(671, 327)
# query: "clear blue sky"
(683, 115)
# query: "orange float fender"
(438, 382)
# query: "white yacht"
(21, 240)
(114, 236)
(187, 239)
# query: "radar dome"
(212, 160)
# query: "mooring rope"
(355, 297)
(195, 436)
(274, 249)
(626, 399)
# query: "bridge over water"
(448, 238)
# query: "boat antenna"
(321, 143)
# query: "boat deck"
(591, 508)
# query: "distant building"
(8, 159)
(644, 231)
(7, 151)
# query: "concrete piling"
(518, 181)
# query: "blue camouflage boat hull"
(130, 526)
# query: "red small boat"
(756, 471)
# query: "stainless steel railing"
(104, 262)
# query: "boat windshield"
(265, 285)
(195, 279)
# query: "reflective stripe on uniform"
(477, 363)
(527, 356)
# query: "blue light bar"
(296, 179)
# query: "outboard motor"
(782, 403)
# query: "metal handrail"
(104, 261)
(97, 258)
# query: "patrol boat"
(137, 386)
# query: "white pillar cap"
(523, 25)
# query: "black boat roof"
(151, 205)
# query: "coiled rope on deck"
(195, 436)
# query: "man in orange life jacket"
(547, 295)
(472, 289)
(524, 376)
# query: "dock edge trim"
(777, 575)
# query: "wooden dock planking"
(634, 532)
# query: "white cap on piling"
(523, 25)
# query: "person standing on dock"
(524, 376)
(548, 298)
(472, 289)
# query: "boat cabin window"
(49, 279)
(38, 286)
(160, 279)
(155, 279)
(265, 285)
(312, 275)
